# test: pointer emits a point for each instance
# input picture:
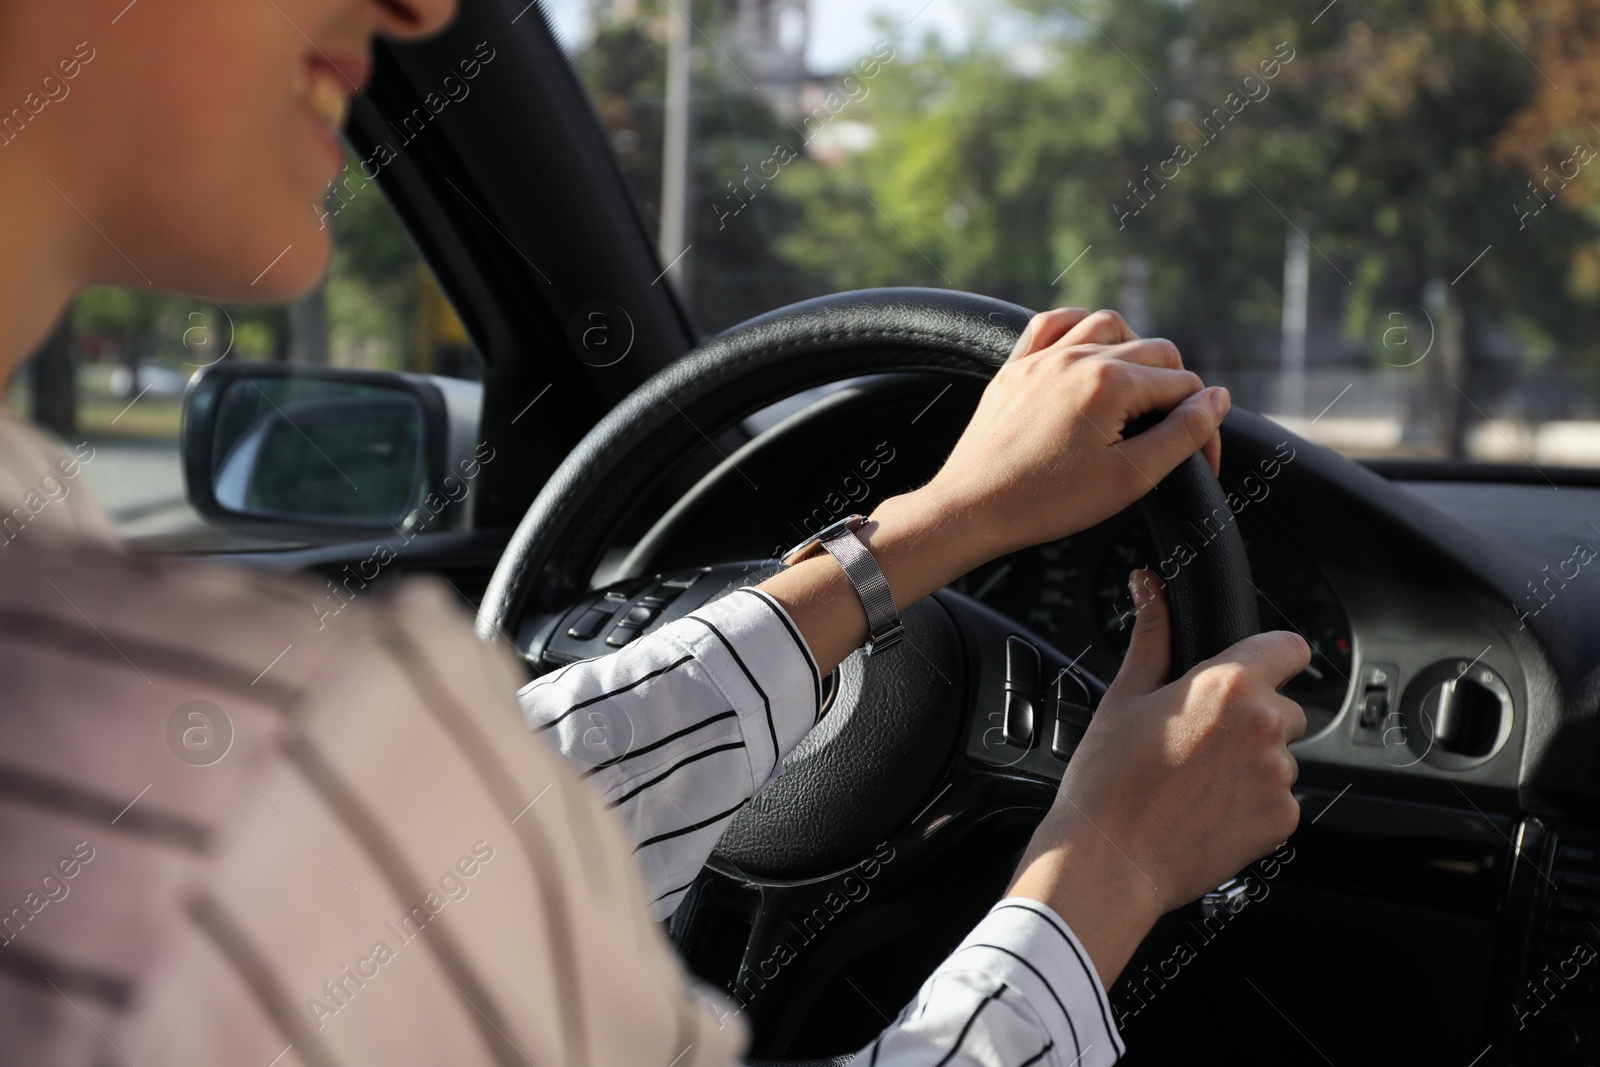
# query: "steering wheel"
(900, 816)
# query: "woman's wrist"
(924, 542)
(920, 542)
(1109, 903)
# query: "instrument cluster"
(1074, 592)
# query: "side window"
(114, 373)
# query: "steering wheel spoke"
(852, 945)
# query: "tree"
(1192, 144)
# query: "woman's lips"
(325, 85)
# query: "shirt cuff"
(1027, 946)
(752, 650)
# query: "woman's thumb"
(1149, 658)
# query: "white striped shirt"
(378, 866)
(678, 730)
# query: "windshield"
(1374, 223)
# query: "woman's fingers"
(1190, 426)
(1140, 389)
(1148, 352)
(1045, 329)
(1104, 327)
(1160, 353)
(1072, 327)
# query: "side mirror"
(318, 451)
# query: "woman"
(380, 867)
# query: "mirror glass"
(290, 448)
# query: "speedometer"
(1041, 587)
(1077, 589)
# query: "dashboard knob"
(1466, 716)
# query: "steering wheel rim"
(562, 535)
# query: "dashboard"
(1429, 678)
(1450, 837)
(1079, 586)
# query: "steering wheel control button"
(589, 624)
(1022, 691)
(1018, 728)
(1022, 664)
(1072, 714)
(1064, 742)
(622, 635)
(1573, 906)
(640, 615)
(611, 618)
(661, 595)
(1578, 883)
(1571, 910)
(1567, 931)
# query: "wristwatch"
(884, 628)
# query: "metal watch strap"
(884, 628)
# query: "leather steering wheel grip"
(766, 359)
(769, 358)
(1200, 558)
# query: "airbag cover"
(868, 766)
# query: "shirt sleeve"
(681, 728)
(1019, 991)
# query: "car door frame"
(507, 184)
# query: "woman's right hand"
(1175, 787)
(1045, 456)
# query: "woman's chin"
(265, 275)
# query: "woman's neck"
(39, 247)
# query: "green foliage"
(1376, 138)
(372, 299)
(373, 284)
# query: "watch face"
(804, 550)
(799, 552)
(847, 525)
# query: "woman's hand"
(1174, 788)
(1042, 458)
(1044, 455)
